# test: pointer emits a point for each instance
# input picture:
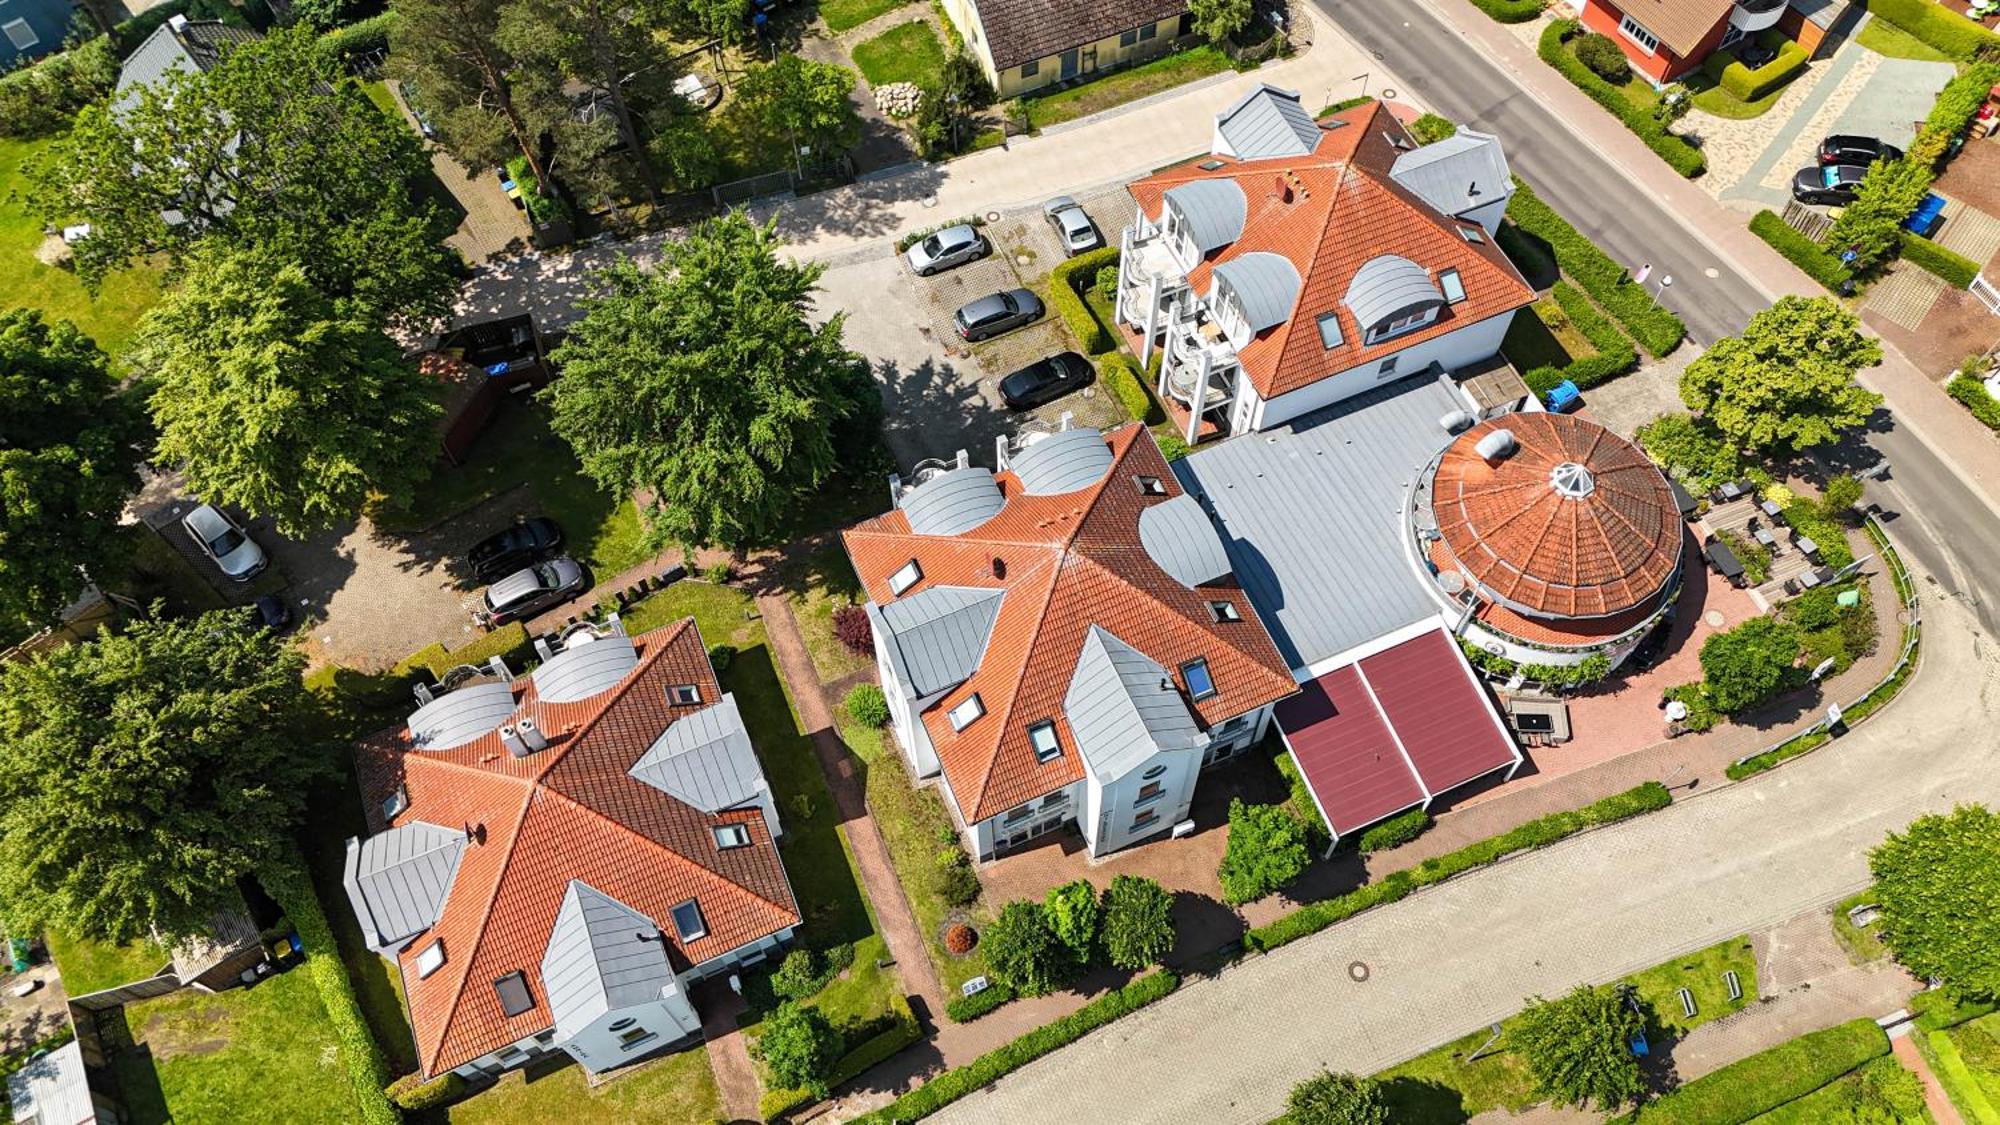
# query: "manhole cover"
(1711, 272)
(1388, 93)
(1714, 618)
(1357, 971)
(992, 216)
(1024, 259)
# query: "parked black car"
(505, 552)
(530, 590)
(1833, 184)
(996, 313)
(1846, 148)
(1046, 380)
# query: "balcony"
(1750, 16)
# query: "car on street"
(952, 246)
(225, 542)
(1833, 184)
(1046, 380)
(1846, 148)
(504, 552)
(1073, 228)
(530, 590)
(996, 313)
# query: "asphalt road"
(1932, 514)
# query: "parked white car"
(952, 246)
(1073, 228)
(225, 542)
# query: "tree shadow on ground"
(1419, 1101)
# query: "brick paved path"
(729, 1054)
(1935, 1099)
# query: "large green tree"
(1787, 383)
(448, 52)
(1577, 1047)
(797, 101)
(1938, 882)
(1266, 850)
(273, 397)
(144, 771)
(1871, 227)
(69, 444)
(272, 148)
(1138, 922)
(1750, 663)
(1217, 20)
(705, 384)
(1337, 1099)
(800, 1046)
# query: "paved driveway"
(1453, 958)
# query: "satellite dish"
(1454, 583)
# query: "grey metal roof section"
(585, 668)
(1266, 285)
(1213, 210)
(1062, 462)
(1268, 122)
(954, 501)
(938, 636)
(1123, 708)
(704, 759)
(196, 47)
(53, 1089)
(1178, 536)
(462, 715)
(1387, 284)
(398, 880)
(1312, 515)
(1457, 174)
(602, 955)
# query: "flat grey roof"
(1312, 515)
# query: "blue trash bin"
(1563, 396)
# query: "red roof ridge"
(1014, 690)
(668, 849)
(479, 936)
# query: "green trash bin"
(1848, 599)
(18, 948)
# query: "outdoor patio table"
(1808, 580)
(1765, 537)
(1770, 508)
(1729, 490)
(1807, 545)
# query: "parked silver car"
(530, 590)
(952, 246)
(225, 542)
(1073, 228)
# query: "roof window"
(396, 803)
(1452, 285)
(1211, 165)
(1195, 675)
(1224, 611)
(684, 695)
(430, 959)
(1400, 142)
(1472, 234)
(1150, 486)
(963, 714)
(513, 992)
(1042, 736)
(1329, 329)
(688, 922)
(906, 576)
(729, 836)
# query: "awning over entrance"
(1392, 730)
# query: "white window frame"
(1636, 32)
(393, 806)
(15, 29)
(966, 713)
(1391, 329)
(430, 958)
(729, 836)
(684, 695)
(1474, 235)
(906, 576)
(1207, 673)
(1222, 612)
(1334, 338)
(1150, 486)
(1054, 748)
(1452, 285)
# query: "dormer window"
(1396, 140)
(1042, 736)
(1150, 486)
(1200, 684)
(1404, 323)
(1329, 329)
(396, 803)
(1452, 285)
(430, 959)
(962, 715)
(908, 575)
(1223, 611)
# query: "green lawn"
(1862, 946)
(1885, 38)
(908, 52)
(828, 584)
(1544, 339)
(92, 966)
(1978, 1043)
(1700, 973)
(1713, 99)
(846, 15)
(1119, 87)
(25, 281)
(1441, 1087)
(518, 450)
(205, 1057)
(675, 1089)
(1856, 1096)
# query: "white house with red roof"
(1304, 261)
(554, 859)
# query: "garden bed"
(1119, 87)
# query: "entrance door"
(1090, 59)
(1069, 64)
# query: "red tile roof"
(568, 812)
(1510, 530)
(1328, 213)
(1069, 561)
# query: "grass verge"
(846, 15)
(908, 52)
(1862, 946)
(93, 966)
(1129, 85)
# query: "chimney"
(542, 648)
(177, 23)
(510, 737)
(531, 734)
(498, 666)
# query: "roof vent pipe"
(531, 734)
(1496, 445)
(1456, 420)
(510, 737)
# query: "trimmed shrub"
(901, 1031)
(797, 976)
(1266, 850)
(1121, 377)
(292, 889)
(1956, 269)
(1750, 83)
(953, 878)
(853, 630)
(1972, 393)
(411, 1093)
(41, 99)
(1430, 129)
(1614, 356)
(965, 1009)
(1656, 329)
(1766, 1080)
(1938, 1009)
(800, 1047)
(1345, 104)
(959, 939)
(1604, 57)
(867, 705)
(1395, 831)
(1066, 284)
(990, 1067)
(1510, 11)
(1938, 26)
(1681, 156)
(1172, 446)
(358, 40)
(720, 657)
(1803, 252)
(1023, 951)
(1753, 662)
(1138, 922)
(1806, 519)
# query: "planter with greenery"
(1681, 156)
(1656, 329)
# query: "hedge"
(1959, 1081)
(1768, 1079)
(348, 45)
(1969, 390)
(901, 1032)
(1750, 83)
(965, 1009)
(1539, 833)
(42, 99)
(1937, 1009)
(509, 641)
(1067, 296)
(1510, 11)
(1614, 355)
(996, 1064)
(1656, 329)
(1679, 155)
(1346, 104)
(1803, 252)
(1938, 26)
(1395, 831)
(293, 891)
(1956, 269)
(1121, 377)
(411, 1092)
(1953, 111)
(1825, 531)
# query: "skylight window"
(1224, 611)
(1472, 234)
(1150, 486)
(1396, 140)
(1210, 165)
(396, 803)
(684, 695)
(1452, 285)
(1195, 675)
(430, 959)
(729, 836)
(909, 575)
(512, 990)
(1042, 736)
(963, 714)
(1329, 329)
(688, 922)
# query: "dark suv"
(1845, 148)
(529, 591)
(504, 552)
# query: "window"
(1148, 31)
(1396, 140)
(1030, 69)
(1224, 611)
(1127, 38)
(1157, 771)
(1388, 367)
(1402, 324)
(633, 1038)
(1231, 727)
(908, 576)
(430, 959)
(1210, 165)
(397, 802)
(1453, 286)
(1150, 792)
(731, 836)
(688, 922)
(1150, 486)
(963, 714)
(1329, 329)
(1043, 736)
(1200, 684)
(1472, 234)
(684, 694)
(1635, 31)
(622, 1024)
(1017, 815)
(1187, 24)
(1146, 818)
(513, 992)
(20, 34)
